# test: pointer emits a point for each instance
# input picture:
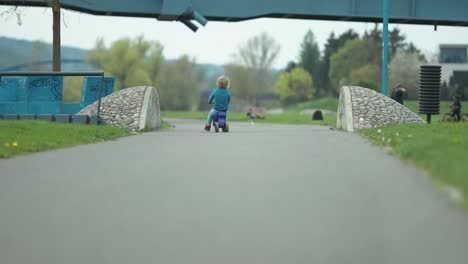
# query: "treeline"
(349, 59)
(139, 62)
(346, 59)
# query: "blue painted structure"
(43, 94)
(90, 93)
(91, 89)
(433, 12)
(33, 95)
(13, 89)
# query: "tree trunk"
(56, 35)
(253, 102)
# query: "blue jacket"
(220, 98)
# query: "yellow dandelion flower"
(14, 144)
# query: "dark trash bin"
(317, 115)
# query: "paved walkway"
(261, 194)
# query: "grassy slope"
(327, 103)
(22, 136)
(165, 124)
(291, 116)
(285, 118)
(440, 148)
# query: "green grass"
(165, 124)
(330, 103)
(24, 136)
(326, 103)
(440, 149)
(289, 117)
(413, 106)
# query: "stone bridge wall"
(360, 108)
(135, 108)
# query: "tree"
(355, 54)
(295, 86)
(367, 76)
(374, 34)
(404, 69)
(177, 89)
(411, 48)
(154, 61)
(397, 41)
(291, 65)
(37, 53)
(309, 57)
(331, 47)
(131, 62)
(258, 55)
(243, 81)
(374, 37)
(72, 89)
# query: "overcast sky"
(212, 44)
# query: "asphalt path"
(259, 194)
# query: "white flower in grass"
(397, 134)
(379, 131)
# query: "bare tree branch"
(9, 11)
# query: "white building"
(454, 61)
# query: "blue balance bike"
(220, 121)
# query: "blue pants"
(211, 116)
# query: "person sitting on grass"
(220, 98)
(250, 114)
(455, 108)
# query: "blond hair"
(222, 82)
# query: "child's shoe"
(207, 127)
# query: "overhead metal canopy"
(433, 12)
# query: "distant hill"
(14, 52)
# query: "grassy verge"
(440, 149)
(326, 103)
(23, 136)
(288, 117)
(165, 124)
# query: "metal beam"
(447, 12)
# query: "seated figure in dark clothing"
(398, 93)
(317, 115)
(250, 114)
(455, 108)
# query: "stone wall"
(360, 108)
(135, 108)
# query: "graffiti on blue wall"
(13, 89)
(91, 88)
(43, 94)
(45, 88)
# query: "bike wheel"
(216, 126)
(464, 118)
(226, 128)
(446, 118)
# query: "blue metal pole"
(385, 48)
